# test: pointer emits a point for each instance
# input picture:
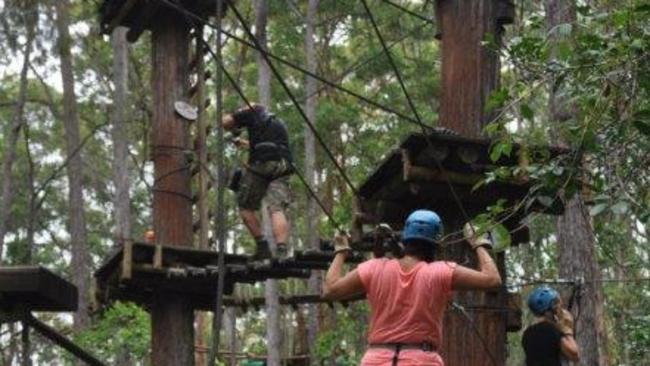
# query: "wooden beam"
(127, 260)
(61, 340)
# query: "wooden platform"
(140, 15)
(138, 270)
(410, 178)
(34, 288)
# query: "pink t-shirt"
(406, 307)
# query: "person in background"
(266, 175)
(408, 296)
(550, 338)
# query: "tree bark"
(121, 180)
(271, 291)
(577, 258)
(77, 224)
(172, 316)
(311, 226)
(9, 155)
(119, 132)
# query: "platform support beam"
(470, 72)
(171, 315)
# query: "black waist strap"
(397, 347)
(423, 346)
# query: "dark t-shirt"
(541, 343)
(268, 136)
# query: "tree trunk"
(32, 218)
(264, 72)
(121, 181)
(271, 291)
(121, 200)
(311, 226)
(11, 140)
(172, 316)
(576, 242)
(230, 330)
(80, 256)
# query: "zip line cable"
(294, 66)
(246, 101)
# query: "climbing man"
(408, 296)
(550, 338)
(266, 174)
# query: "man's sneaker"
(262, 251)
(281, 251)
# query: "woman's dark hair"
(420, 249)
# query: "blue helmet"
(542, 300)
(422, 225)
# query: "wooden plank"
(34, 288)
(59, 339)
(127, 260)
(158, 257)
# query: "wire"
(296, 67)
(471, 322)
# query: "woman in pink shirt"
(408, 296)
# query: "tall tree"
(10, 142)
(77, 219)
(271, 290)
(119, 132)
(576, 242)
(121, 180)
(311, 226)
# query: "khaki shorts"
(265, 180)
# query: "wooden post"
(469, 75)
(172, 316)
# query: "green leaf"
(642, 126)
(598, 209)
(620, 208)
(499, 149)
(562, 30)
(545, 200)
(501, 238)
(643, 8)
(497, 99)
(526, 112)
